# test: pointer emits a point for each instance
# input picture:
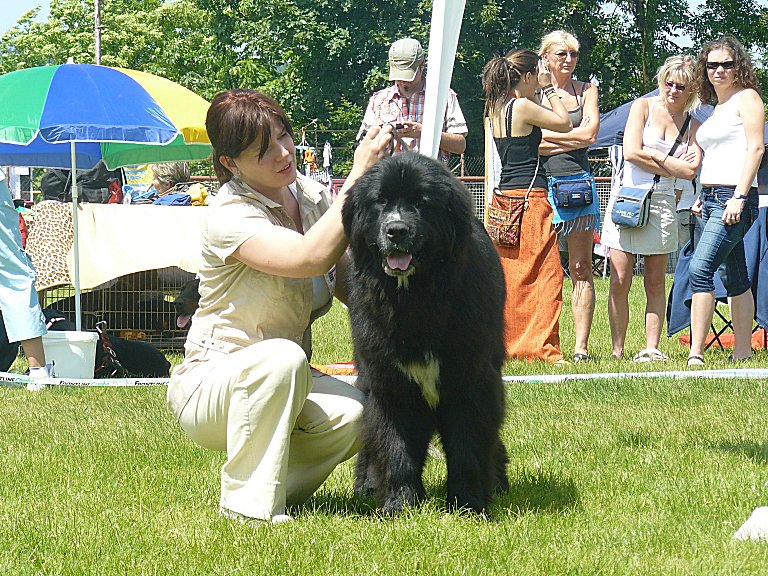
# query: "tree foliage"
(322, 58)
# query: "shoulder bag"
(632, 206)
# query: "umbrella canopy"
(73, 115)
(117, 115)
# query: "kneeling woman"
(268, 254)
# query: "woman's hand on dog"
(376, 144)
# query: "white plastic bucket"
(73, 353)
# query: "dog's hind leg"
(501, 461)
(365, 476)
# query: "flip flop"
(695, 360)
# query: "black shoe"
(579, 357)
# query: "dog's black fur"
(426, 305)
(187, 302)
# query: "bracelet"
(549, 91)
(739, 196)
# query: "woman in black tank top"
(566, 155)
(532, 269)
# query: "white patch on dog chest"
(425, 375)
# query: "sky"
(12, 10)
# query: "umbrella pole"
(76, 247)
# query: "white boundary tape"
(729, 374)
(20, 381)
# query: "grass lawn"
(624, 476)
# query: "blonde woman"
(565, 154)
(531, 269)
(653, 125)
(732, 140)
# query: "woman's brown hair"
(238, 118)
(502, 74)
(743, 72)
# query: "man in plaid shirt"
(402, 104)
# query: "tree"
(149, 35)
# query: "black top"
(519, 157)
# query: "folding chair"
(678, 304)
(599, 257)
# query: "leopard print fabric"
(50, 239)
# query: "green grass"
(617, 476)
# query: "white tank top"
(724, 142)
(637, 176)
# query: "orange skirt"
(534, 279)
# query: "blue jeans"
(721, 246)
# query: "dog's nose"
(397, 231)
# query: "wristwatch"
(740, 196)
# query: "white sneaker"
(232, 515)
(756, 526)
(39, 374)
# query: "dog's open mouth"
(399, 263)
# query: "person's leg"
(327, 432)
(580, 244)
(655, 298)
(34, 351)
(713, 245)
(742, 316)
(622, 265)
(248, 404)
(702, 309)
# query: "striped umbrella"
(74, 115)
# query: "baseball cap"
(405, 57)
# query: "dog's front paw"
(405, 497)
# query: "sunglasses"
(670, 85)
(727, 65)
(564, 53)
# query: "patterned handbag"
(505, 215)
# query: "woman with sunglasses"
(565, 154)
(652, 154)
(531, 269)
(732, 141)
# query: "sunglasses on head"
(670, 85)
(564, 53)
(727, 65)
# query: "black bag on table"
(96, 185)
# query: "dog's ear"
(459, 206)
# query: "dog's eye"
(381, 201)
(421, 202)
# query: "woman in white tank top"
(732, 141)
(652, 128)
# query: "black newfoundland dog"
(426, 305)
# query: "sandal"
(695, 360)
(579, 357)
(732, 360)
(650, 355)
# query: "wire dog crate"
(138, 306)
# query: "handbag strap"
(678, 141)
(530, 186)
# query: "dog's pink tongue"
(399, 260)
(183, 319)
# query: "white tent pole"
(76, 247)
(443, 39)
